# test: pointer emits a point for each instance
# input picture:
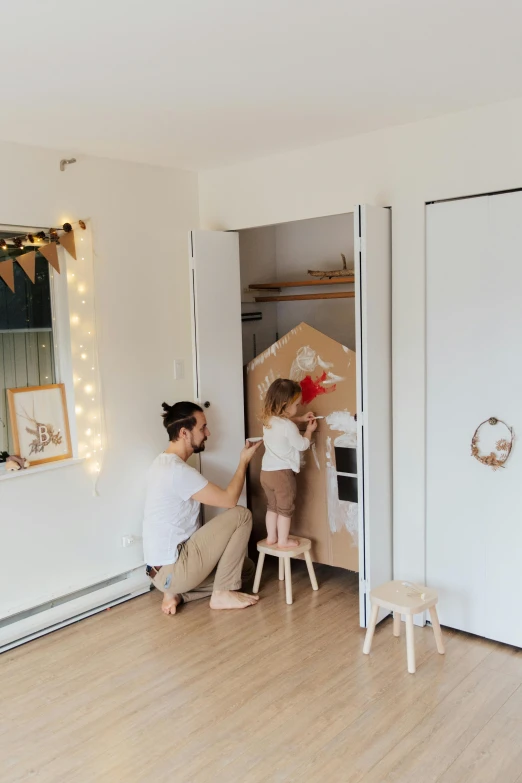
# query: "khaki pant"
(212, 559)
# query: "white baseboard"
(22, 628)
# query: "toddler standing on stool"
(282, 458)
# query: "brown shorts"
(280, 489)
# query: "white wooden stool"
(408, 599)
(285, 555)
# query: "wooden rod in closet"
(303, 297)
(346, 279)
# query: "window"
(48, 333)
(27, 339)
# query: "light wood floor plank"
(495, 754)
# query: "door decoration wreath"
(497, 457)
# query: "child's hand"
(307, 417)
(312, 426)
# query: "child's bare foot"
(170, 603)
(271, 541)
(230, 599)
(290, 542)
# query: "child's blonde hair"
(279, 396)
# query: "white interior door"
(372, 234)
(218, 356)
(474, 326)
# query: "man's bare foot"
(170, 603)
(229, 599)
(290, 542)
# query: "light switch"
(179, 369)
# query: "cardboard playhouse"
(326, 507)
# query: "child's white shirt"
(283, 445)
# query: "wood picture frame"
(40, 424)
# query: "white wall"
(403, 167)
(56, 536)
(316, 244)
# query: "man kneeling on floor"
(188, 561)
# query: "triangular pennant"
(28, 262)
(67, 241)
(50, 252)
(7, 273)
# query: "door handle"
(206, 404)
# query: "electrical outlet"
(128, 540)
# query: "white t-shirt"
(283, 445)
(171, 516)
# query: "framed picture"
(39, 422)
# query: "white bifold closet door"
(474, 334)
(372, 234)
(218, 363)
(218, 352)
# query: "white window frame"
(61, 331)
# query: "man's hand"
(248, 451)
(212, 495)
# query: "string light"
(82, 319)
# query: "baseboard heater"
(24, 626)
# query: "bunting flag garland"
(7, 273)
(50, 240)
(28, 264)
(50, 253)
(67, 242)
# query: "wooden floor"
(274, 693)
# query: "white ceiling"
(203, 83)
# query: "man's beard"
(200, 448)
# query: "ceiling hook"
(65, 162)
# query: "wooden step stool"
(285, 555)
(408, 599)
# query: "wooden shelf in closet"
(304, 297)
(277, 284)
